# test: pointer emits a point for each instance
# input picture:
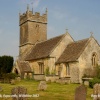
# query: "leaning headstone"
(80, 93)
(42, 85)
(18, 93)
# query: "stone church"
(61, 55)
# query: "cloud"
(35, 3)
(58, 14)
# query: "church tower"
(33, 29)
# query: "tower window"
(37, 28)
(94, 59)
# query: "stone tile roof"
(73, 51)
(24, 66)
(43, 49)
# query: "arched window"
(41, 67)
(94, 59)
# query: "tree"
(6, 64)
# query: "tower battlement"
(35, 17)
(33, 29)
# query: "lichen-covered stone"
(42, 85)
(19, 92)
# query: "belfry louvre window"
(94, 59)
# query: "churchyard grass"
(55, 91)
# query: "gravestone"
(1, 89)
(13, 82)
(42, 85)
(96, 92)
(19, 93)
(18, 79)
(80, 93)
(99, 91)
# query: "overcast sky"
(80, 17)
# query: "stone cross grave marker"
(80, 93)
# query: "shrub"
(53, 72)
(47, 71)
(89, 72)
(7, 77)
(98, 71)
(93, 81)
(12, 75)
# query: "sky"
(80, 17)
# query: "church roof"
(73, 51)
(24, 66)
(43, 49)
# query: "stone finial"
(32, 6)
(91, 33)
(66, 30)
(27, 7)
(46, 11)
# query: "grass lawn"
(54, 91)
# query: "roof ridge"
(43, 52)
(50, 38)
(58, 42)
(82, 40)
(78, 41)
(88, 39)
(71, 48)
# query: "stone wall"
(85, 60)
(23, 50)
(51, 78)
(48, 62)
(61, 46)
(74, 72)
(15, 67)
(33, 29)
(39, 77)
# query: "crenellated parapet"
(34, 17)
